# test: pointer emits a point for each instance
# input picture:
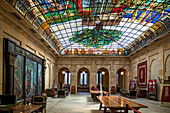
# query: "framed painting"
(39, 78)
(142, 74)
(19, 77)
(31, 78)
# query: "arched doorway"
(64, 78)
(121, 79)
(103, 78)
(83, 80)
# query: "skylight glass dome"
(95, 27)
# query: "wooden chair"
(39, 100)
(49, 92)
(7, 101)
(61, 93)
(94, 89)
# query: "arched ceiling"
(94, 26)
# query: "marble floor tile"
(82, 103)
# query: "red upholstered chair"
(93, 88)
(113, 90)
(73, 89)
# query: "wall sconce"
(103, 72)
(83, 72)
(63, 72)
(122, 73)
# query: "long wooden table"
(118, 103)
(25, 108)
(94, 94)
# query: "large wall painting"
(25, 72)
(142, 74)
(39, 79)
(18, 77)
(31, 78)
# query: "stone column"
(1, 56)
(161, 73)
(93, 72)
(112, 76)
(73, 81)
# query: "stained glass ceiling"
(94, 26)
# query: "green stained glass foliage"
(96, 38)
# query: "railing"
(129, 107)
(142, 44)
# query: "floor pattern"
(82, 103)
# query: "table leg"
(100, 106)
(112, 111)
(94, 97)
(105, 108)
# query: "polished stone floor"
(82, 103)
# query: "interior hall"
(85, 56)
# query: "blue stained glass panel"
(85, 79)
(81, 78)
(65, 78)
(69, 77)
(97, 79)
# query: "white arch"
(47, 76)
(167, 66)
(154, 69)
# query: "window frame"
(83, 84)
(98, 78)
(68, 74)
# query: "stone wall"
(93, 64)
(16, 31)
(157, 55)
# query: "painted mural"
(18, 77)
(39, 79)
(66, 24)
(31, 78)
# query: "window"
(83, 79)
(99, 78)
(67, 78)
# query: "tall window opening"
(67, 78)
(83, 78)
(99, 78)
